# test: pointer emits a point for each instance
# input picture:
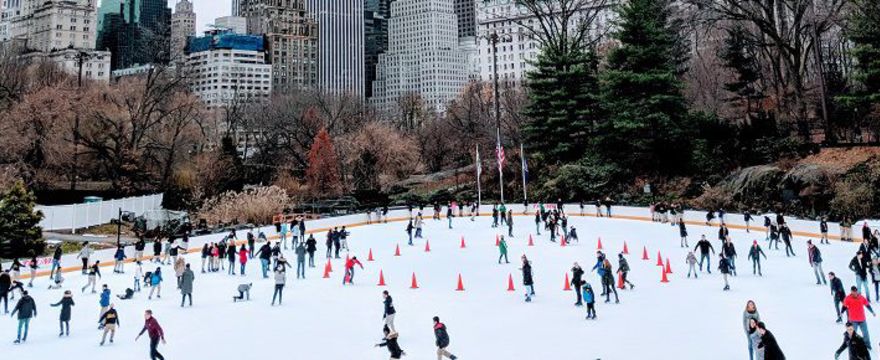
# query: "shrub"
(256, 205)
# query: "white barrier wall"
(796, 225)
(77, 216)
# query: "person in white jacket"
(84, 254)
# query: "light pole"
(494, 38)
(81, 57)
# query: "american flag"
(499, 153)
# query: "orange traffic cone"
(510, 283)
(625, 249)
(620, 281)
(567, 284)
(659, 259)
(415, 285)
(497, 241)
(531, 242)
(645, 253)
(462, 242)
(668, 268)
(397, 250)
(370, 255)
(329, 266)
(326, 272)
(460, 284)
(427, 246)
(599, 245)
(381, 278)
(664, 279)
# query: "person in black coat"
(682, 230)
(311, 247)
(837, 293)
(389, 311)
(26, 309)
(769, 344)
(441, 339)
(66, 303)
(390, 342)
(577, 274)
(528, 282)
(5, 284)
(856, 344)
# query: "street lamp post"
(494, 39)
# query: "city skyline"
(206, 11)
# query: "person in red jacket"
(154, 331)
(243, 258)
(854, 305)
(349, 269)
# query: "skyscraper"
(292, 39)
(376, 14)
(340, 45)
(423, 58)
(183, 25)
(465, 11)
(136, 32)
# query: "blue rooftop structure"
(225, 40)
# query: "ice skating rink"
(321, 319)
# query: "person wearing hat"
(768, 344)
(65, 303)
(755, 253)
(623, 270)
(815, 258)
(858, 350)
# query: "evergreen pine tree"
(864, 32)
(20, 232)
(646, 130)
(563, 106)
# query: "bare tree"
(563, 26)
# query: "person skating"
(577, 274)
(265, 255)
(206, 253)
(441, 337)
(691, 260)
(854, 305)
(623, 271)
(682, 231)
(755, 253)
(729, 252)
(156, 334)
(94, 274)
(419, 224)
(300, 261)
(858, 349)
(349, 269)
(768, 344)
(495, 215)
(243, 257)
(510, 223)
(589, 299)
(747, 218)
(705, 246)
(251, 244)
(538, 222)
(767, 224)
(179, 267)
(572, 235)
(84, 254)
(724, 267)
(449, 215)
(755, 340)
(186, 285)
(244, 292)
(57, 280)
(104, 300)
(311, 247)
(156, 284)
(329, 244)
(528, 281)
(389, 311)
(815, 259)
(785, 232)
(280, 280)
(32, 266)
(774, 237)
(337, 237)
(502, 250)
(26, 309)
(837, 293)
(138, 275)
(409, 232)
(390, 342)
(66, 303)
(110, 322)
(231, 252)
(823, 229)
(608, 282)
(859, 267)
(56, 260)
(750, 314)
(600, 269)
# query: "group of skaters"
(390, 336)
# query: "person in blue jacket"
(600, 259)
(104, 301)
(589, 299)
(156, 284)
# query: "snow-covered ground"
(321, 319)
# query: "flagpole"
(522, 155)
(500, 170)
(479, 191)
